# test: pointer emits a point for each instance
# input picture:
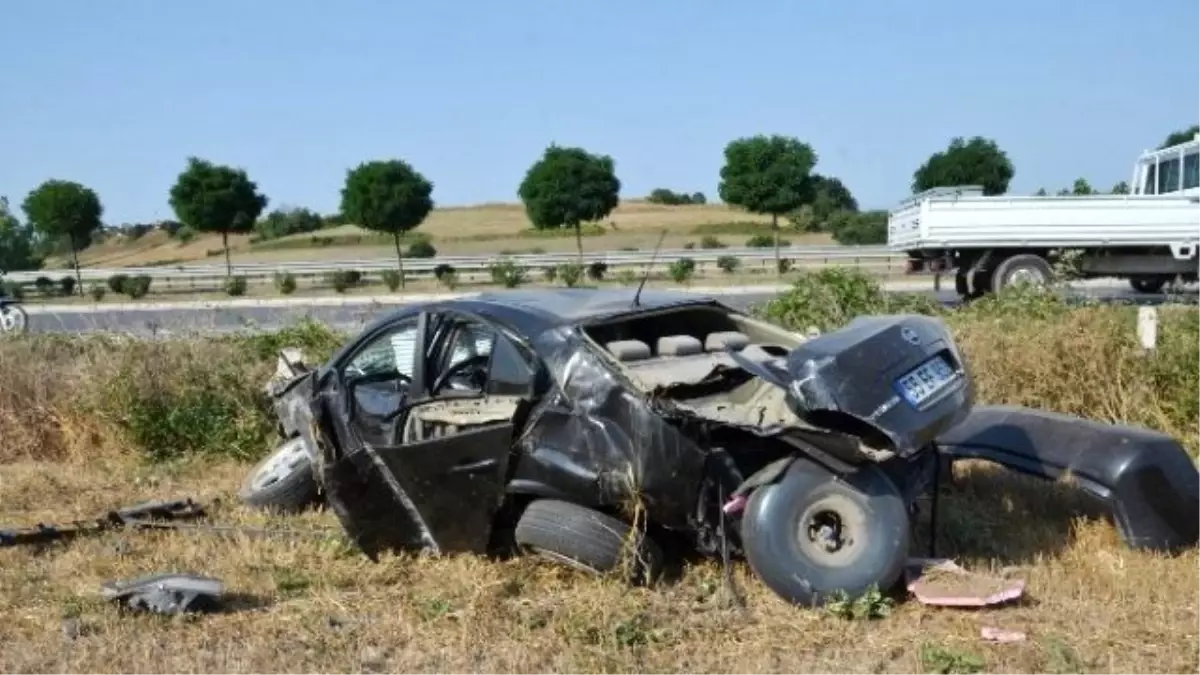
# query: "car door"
(448, 486)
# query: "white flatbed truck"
(1150, 237)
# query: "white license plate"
(926, 380)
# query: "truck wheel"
(1022, 268)
(283, 481)
(1148, 284)
(813, 533)
(586, 539)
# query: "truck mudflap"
(1149, 482)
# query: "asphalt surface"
(166, 321)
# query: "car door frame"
(450, 500)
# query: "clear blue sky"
(116, 93)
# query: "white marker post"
(1147, 328)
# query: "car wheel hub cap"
(283, 463)
(1026, 276)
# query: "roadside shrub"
(628, 277)
(116, 283)
(571, 274)
(690, 245)
(729, 263)
(343, 280)
(761, 240)
(422, 248)
(596, 270)
(682, 270)
(830, 297)
(285, 282)
(235, 286)
(67, 285)
(784, 265)
(507, 273)
(449, 279)
(97, 292)
(44, 285)
(442, 270)
(710, 241)
(137, 286)
(391, 279)
(186, 234)
(550, 274)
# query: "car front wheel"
(283, 481)
(813, 534)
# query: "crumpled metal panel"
(593, 427)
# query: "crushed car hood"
(851, 380)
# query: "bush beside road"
(89, 422)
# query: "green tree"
(1040, 193)
(1081, 187)
(60, 209)
(282, 222)
(16, 242)
(1121, 188)
(568, 187)
(828, 195)
(1182, 136)
(859, 229)
(387, 196)
(215, 198)
(978, 161)
(767, 175)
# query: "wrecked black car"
(584, 425)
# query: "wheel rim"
(830, 531)
(280, 465)
(1026, 275)
(12, 319)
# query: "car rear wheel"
(587, 540)
(283, 481)
(813, 533)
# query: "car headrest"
(725, 340)
(629, 350)
(678, 345)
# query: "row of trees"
(567, 187)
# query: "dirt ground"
(315, 604)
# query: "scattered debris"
(146, 514)
(943, 583)
(994, 634)
(166, 593)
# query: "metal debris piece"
(943, 583)
(166, 593)
(138, 515)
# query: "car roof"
(531, 311)
(582, 305)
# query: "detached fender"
(1148, 480)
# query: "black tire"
(587, 539)
(1012, 269)
(1148, 284)
(292, 488)
(784, 553)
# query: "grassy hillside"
(467, 230)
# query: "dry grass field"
(87, 424)
(467, 230)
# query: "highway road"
(352, 313)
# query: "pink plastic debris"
(734, 505)
(943, 583)
(993, 634)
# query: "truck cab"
(1172, 170)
